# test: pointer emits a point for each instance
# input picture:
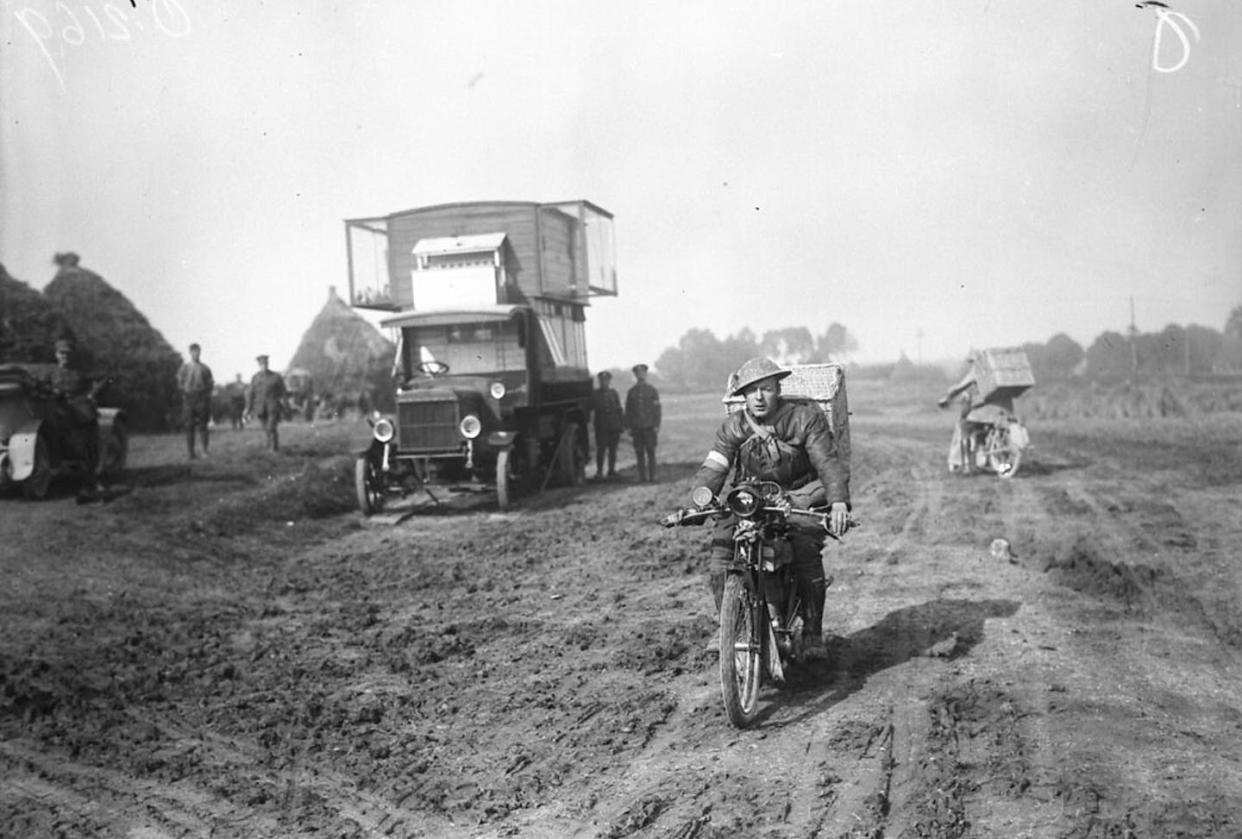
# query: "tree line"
(703, 362)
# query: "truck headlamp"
(497, 390)
(470, 426)
(383, 430)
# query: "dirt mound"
(1081, 565)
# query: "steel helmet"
(755, 370)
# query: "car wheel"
(36, 486)
(115, 451)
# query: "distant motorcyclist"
(976, 414)
(76, 411)
(792, 444)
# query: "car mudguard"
(22, 450)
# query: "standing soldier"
(196, 384)
(609, 421)
(642, 417)
(237, 402)
(266, 400)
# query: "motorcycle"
(760, 621)
(988, 437)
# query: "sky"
(933, 176)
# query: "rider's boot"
(716, 580)
(815, 593)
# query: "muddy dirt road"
(229, 650)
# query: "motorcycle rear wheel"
(1003, 456)
(741, 644)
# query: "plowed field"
(229, 649)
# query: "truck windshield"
(467, 348)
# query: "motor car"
(39, 442)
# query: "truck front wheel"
(369, 485)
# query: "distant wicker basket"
(1003, 372)
(823, 384)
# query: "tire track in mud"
(1122, 549)
(696, 776)
(1129, 559)
(99, 799)
(324, 797)
(920, 763)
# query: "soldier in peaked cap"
(265, 399)
(609, 421)
(76, 410)
(642, 418)
(792, 444)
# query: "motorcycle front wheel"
(741, 644)
(1003, 456)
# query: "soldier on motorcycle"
(790, 443)
(970, 424)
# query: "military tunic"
(642, 417)
(266, 397)
(609, 420)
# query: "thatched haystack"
(29, 324)
(115, 338)
(348, 360)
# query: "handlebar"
(692, 515)
(695, 515)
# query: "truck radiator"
(427, 426)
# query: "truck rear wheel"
(572, 457)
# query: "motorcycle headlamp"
(497, 390)
(743, 502)
(383, 430)
(470, 426)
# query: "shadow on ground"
(946, 629)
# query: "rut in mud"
(231, 650)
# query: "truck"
(486, 301)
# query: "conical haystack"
(347, 358)
(29, 324)
(115, 338)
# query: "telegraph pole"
(1133, 344)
